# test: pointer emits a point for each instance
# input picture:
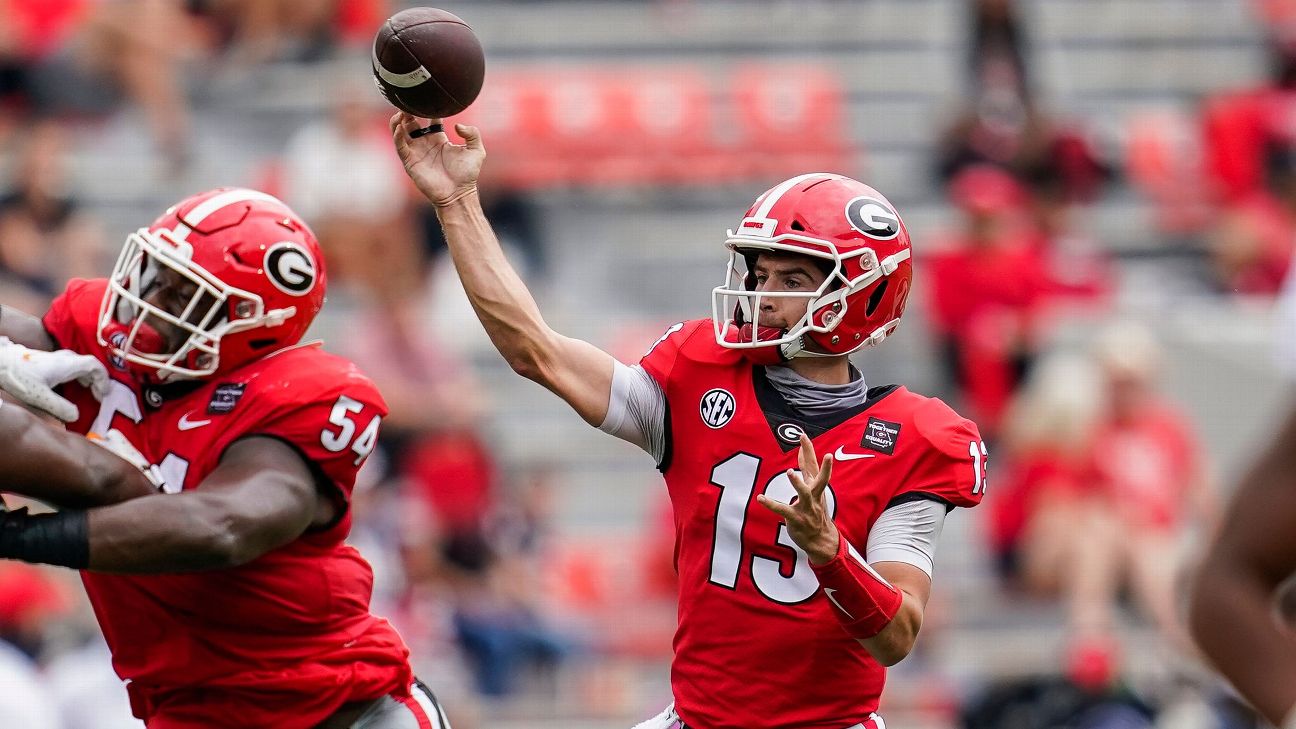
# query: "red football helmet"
(244, 277)
(864, 245)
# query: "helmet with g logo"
(863, 246)
(248, 276)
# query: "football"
(428, 62)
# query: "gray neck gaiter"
(815, 399)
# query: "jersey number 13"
(736, 479)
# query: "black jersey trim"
(668, 450)
(912, 496)
(778, 412)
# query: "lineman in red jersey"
(213, 549)
(794, 593)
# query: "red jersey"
(758, 644)
(281, 641)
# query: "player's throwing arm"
(446, 174)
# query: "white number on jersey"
(736, 478)
(170, 473)
(336, 442)
(120, 399)
(173, 470)
(979, 454)
(673, 328)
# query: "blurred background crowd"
(1102, 196)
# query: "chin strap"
(771, 355)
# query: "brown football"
(428, 62)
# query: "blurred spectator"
(45, 237)
(514, 218)
(87, 691)
(501, 621)
(30, 602)
(27, 701)
(1240, 125)
(987, 286)
(1000, 126)
(1047, 442)
(30, 32)
(430, 435)
(1078, 269)
(413, 586)
(1251, 247)
(1107, 478)
(1006, 130)
(1150, 464)
(998, 44)
(258, 31)
(1003, 125)
(1056, 703)
(341, 174)
(142, 46)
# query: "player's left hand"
(807, 516)
(31, 376)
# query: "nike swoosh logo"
(842, 455)
(186, 424)
(828, 591)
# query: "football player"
(214, 554)
(801, 580)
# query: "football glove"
(31, 375)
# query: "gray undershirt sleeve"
(637, 410)
(907, 533)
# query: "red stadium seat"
(790, 119)
(520, 127)
(1163, 161)
(663, 117)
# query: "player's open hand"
(807, 517)
(444, 172)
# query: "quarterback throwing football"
(800, 579)
(213, 548)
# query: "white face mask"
(129, 323)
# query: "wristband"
(61, 538)
(862, 600)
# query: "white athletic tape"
(401, 80)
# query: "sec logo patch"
(717, 407)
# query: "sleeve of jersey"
(334, 433)
(659, 361)
(952, 467)
(62, 319)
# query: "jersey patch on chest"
(225, 397)
(881, 435)
(717, 407)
